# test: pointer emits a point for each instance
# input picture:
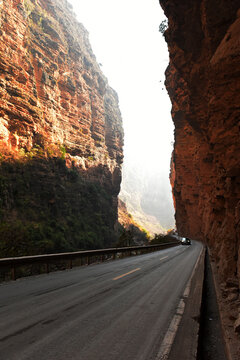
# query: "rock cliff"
(61, 132)
(203, 81)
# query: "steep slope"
(148, 198)
(203, 81)
(61, 132)
(131, 233)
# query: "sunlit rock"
(55, 103)
(204, 87)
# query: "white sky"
(125, 39)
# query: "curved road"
(115, 310)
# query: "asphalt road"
(116, 310)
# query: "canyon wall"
(61, 133)
(203, 81)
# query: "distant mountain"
(131, 233)
(148, 198)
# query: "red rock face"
(53, 93)
(55, 103)
(203, 81)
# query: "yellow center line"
(165, 257)
(130, 272)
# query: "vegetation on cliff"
(61, 134)
(130, 233)
(46, 207)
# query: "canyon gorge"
(202, 80)
(61, 134)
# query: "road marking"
(173, 327)
(171, 333)
(130, 272)
(165, 257)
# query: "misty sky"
(125, 39)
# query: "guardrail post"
(47, 268)
(88, 260)
(70, 264)
(102, 258)
(13, 272)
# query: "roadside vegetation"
(163, 238)
(46, 208)
(132, 236)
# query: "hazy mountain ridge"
(146, 199)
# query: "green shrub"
(46, 207)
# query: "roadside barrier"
(15, 267)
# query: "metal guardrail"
(99, 255)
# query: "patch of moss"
(63, 151)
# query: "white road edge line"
(165, 257)
(173, 327)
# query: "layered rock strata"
(203, 81)
(55, 103)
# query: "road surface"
(118, 310)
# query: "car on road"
(186, 241)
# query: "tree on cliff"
(163, 26)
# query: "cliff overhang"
(202, 80)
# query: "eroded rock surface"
(203, 81)
(54, 101)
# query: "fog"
(133, 54)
